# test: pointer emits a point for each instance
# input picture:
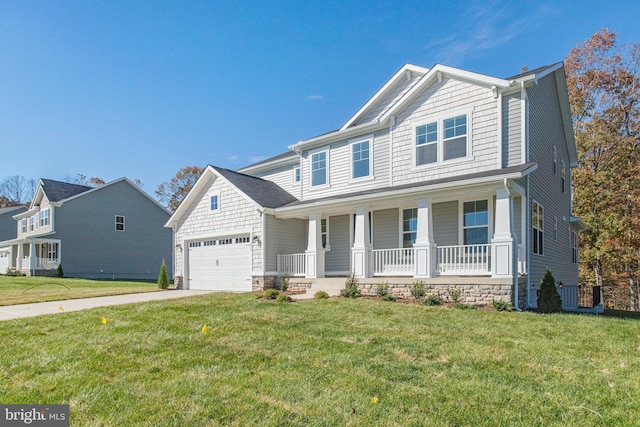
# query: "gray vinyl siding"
(511, 130)
(339, 164)
(92, 248)
(283, 236)
(283, 176)
(445, 223)
(337, 259)
(386, 229)
(546, 130)
(8, 225)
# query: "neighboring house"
(113, 231)
(7, 232)
(447, 176)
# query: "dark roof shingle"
(57, 190)
(265, 193)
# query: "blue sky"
(143, 88)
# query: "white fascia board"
(565, 111)
(338, 135)
(432, 75)
(293, 211)
(549, 70)
(384, 90)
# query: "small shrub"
(389, 297)
(283, 298)
(14, 273)
(432, 299)
(270, 294)
(382, 289)
(549, 300)
(351, 289)
(321, 295)
(502, 305)
(60, 271)
(163, 278)
(461, 306)
(284, 281)
(418, 290)
(455, 295)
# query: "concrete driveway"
(37, 309)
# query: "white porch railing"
(47, 263)
(464, 259)
(393, 262)
(293, 264)
(24, 263)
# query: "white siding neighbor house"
(113, 231)
(446, 176)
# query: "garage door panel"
(224, 267)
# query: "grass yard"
(22, 290)
(320, 363)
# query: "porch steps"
(331, 285)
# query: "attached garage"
(4, 259)
(222, 264)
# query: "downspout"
(392, 123)
(527, 251)
(514, 265)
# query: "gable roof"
(11, 209)
(265, 193)
(57, 190)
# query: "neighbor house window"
(44, 218)
(409, 227)
(296, 175)
(119, 223)
(442, 139)
(537, 222)
(555, 161)
(23, 225)
(562, 175)
(360, 159)
(574, 247)
(319, 168)
(214, 202)
(475, 220)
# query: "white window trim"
(217, 210)
(476, 198)
(115, 223)
(575, 244)
(439, 119)
(297, 182)
(401, 233)
(563, 176)
(533, 227)
(353, 142)
(327, 184)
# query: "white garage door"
(4, 261)
(220, 264)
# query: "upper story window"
(44, 218)
(562, 175)
(555, 161)
(442, 139)
(409, 227)
(215, 202)
(119, 223)
(360, 159)
(319, 168)
(32, 221)
(475, 220)
(23, 225)
(537, 222)
(296, 175)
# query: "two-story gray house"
(447, 176)
(7, 232)
(113, 231)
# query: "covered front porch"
(476, 231)
(33, 256)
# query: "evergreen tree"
(163, 277)
(549, 300)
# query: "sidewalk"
(37, 309)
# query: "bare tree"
(16, 190)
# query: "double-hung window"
(475, 220)
(360, 159)
(215, 202)
(574, 247)
(23, 225)
(442, 139)
(32, 221)
(409, 227)
(296, 175)
(562, 175)
(44, 218)
(537, 222)
(119, 223)
(324, 232)
(319, 168)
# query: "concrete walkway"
(37, 309)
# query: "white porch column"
(361, 250)
(32, 256)
(315, 251)
(424, 247)
(503, 241)
(19, 255)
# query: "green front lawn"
(321, 363)
(22, 290)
